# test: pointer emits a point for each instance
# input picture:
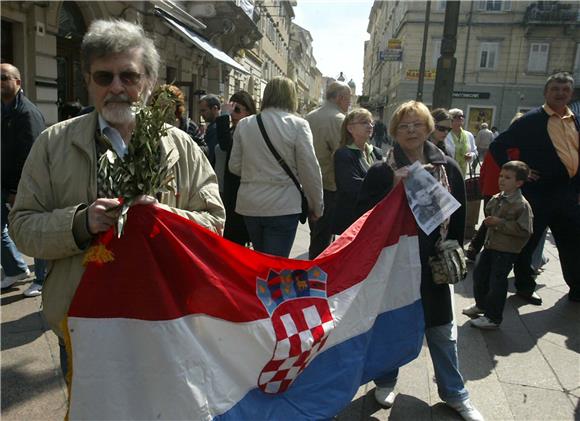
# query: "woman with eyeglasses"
(240, 106)
(411, 126)
(352, 160)
(442, 120)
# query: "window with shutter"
(538, 58)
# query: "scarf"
(461, 149)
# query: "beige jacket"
(59, 182)
(516, 228)
(325, 123)
(265, 188)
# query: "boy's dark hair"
(521, 169)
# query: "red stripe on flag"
(166, 267)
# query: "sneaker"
(484, 323)
(532, 298)
(472, 311)
(466, 410)
(8, 281)
(385, 396)
(34, 290)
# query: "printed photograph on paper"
(430, 202)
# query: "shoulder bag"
(286, 168)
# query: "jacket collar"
(433, 155)
(83, 134)
(512, 198)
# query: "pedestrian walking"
(22, 122)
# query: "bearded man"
(62, 201)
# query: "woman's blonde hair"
(411, 107)
(356, 114)
(280, 92)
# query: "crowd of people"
(254, 176)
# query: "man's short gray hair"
(560, 77)
(336, 88)
(211, 100)
(106, 37)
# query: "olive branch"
(142, 171)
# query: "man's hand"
(145, 200)
(102, 214)
(11, 199)
(492, 221)
(312, 217)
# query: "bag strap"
(277, 155)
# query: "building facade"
(205, 46)
(302, 69)
(505, 51)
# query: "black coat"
(349, 174)
(379, 182)
(21, 125)
(235, 228)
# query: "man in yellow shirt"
(548, 140)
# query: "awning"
(199, 42)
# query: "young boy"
(509, 226)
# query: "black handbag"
(472, 186)
(304, 214)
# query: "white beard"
(118, 113)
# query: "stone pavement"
(527, 370)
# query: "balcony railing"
(551, 14)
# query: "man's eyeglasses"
(443, 129)
(4, 78)
(127, 78)
(458, 117)
(408, 126)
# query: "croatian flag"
(178, 323)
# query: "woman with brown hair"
(240, 106)
(178, 117)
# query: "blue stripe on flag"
(329, 383)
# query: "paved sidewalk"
(527, 370)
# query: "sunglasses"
(127, 78)
(237, 110)
(443, 129)
(5, 78)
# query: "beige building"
(302, 69)
(205, 46)
(505, 50)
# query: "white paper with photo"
(430, 202)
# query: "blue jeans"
(12, 260)
(490, 284)
(272, 234)
(39, 271)
(442, 343)
(538, 255)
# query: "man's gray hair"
(560, 77)
(106, 37)
(336, 88)
(211, 100)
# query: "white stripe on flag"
(174, 355)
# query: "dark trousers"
(562, 216)
(321, 230)
(490, 284)
(478, 239)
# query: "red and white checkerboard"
(302, 327)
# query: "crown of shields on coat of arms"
(297, 303)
